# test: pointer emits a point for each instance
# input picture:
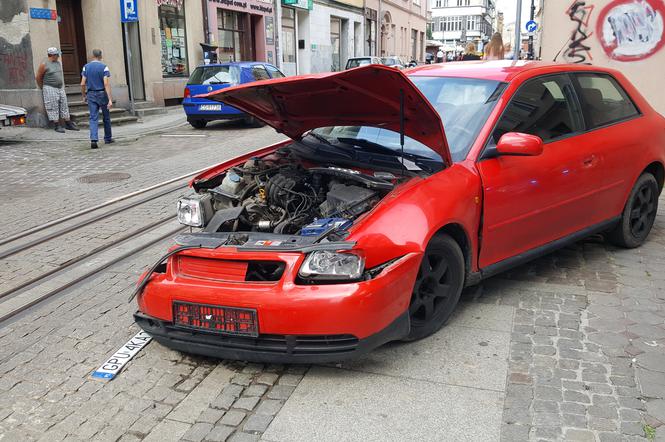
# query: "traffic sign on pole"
(531, 26)
(128, 11)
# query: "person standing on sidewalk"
(51, 81)
(95, 77)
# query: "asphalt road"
(571, 346)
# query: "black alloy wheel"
(438, 287)
(638, 215)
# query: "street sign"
(128, 11)
(531, 26)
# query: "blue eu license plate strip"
(112, 366)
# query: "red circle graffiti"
(658, 7)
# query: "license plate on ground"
(215, 318)
(210, 107)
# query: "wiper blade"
(320, 138)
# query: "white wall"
(320, 49)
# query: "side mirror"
(519, 144)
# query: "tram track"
(82, 266)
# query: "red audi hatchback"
(394, 191)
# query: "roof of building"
(499, 70)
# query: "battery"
(318, 226)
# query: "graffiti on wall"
(16, 71)
(578, 50)
(631, 29)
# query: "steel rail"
(80, 258)
(97, 207)
(92, 272)
(43, 239)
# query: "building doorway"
(72, 39)
(137, 91)
(335, 31)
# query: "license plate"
(210, 107)
(215, 318)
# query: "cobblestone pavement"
(585, 361)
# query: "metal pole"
(531, 17)
(518, 32)
(379, 31)
(129, 70)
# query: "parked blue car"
(213, 77)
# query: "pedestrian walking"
(439, 56)
(51, 81)
(96, 90)
(494, 49)
(470, 52)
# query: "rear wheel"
(638, 215)
(198, 124)
(253, 122)
(438, 287)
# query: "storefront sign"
(270, 30)
(175, 3)
(245, 5)
(302, 4)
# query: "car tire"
(253, 122)
(638, 215)
(198, 124)
(438, 287)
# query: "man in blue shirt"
(95, 77)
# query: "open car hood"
(365, 96)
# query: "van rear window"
(206, 75)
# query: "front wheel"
(198, 124)
(639, 214)
(438, 287)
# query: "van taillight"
(188, 93)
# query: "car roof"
(236, 63)
(499, 70)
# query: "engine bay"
(282, 194)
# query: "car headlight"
(329, 265)
(195, 210)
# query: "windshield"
(204, 75)
(355, 62)
(390, 61)
(462, 103)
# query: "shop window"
(289, 35)
(231, 35)
(174, 41)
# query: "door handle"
(590, 161)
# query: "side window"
(260, 73)
(539, 107)
(274, 72)
(603, 100)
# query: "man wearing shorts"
(52, 82)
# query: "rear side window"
(214, 75)
(274, 72)
(260, 73)
(539, 107)
(603, 100)
(356, 62)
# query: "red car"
(395, 191)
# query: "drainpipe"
(379, 31)
(206, 23)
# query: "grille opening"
(264, 270)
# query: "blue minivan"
(213, 77)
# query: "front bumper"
(282, 349)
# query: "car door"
(534, 200)
(608, 111)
